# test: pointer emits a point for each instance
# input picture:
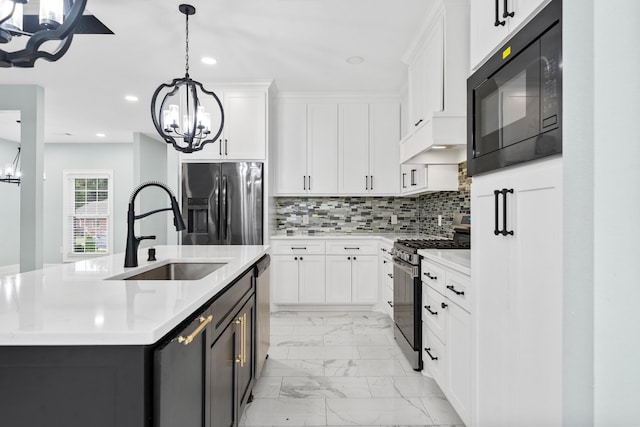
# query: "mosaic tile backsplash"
(373, 214)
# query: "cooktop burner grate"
(416, 244)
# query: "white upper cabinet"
(368, 148)
(307, 148)
(438, 69)
(492, 23)
(353, 143)
(291, 168)
(331, 148)
(322, 148)
(384, 133)
(244, 135)
(245, 128)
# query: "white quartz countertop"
(457, 259)
(73, 304)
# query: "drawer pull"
(428, 350)
(443, 305)
(390, 275)
(390, 303)
(452, 289)
(204, 321)
(430, 276)
(302, 248)
(346, 248)
(428, 307)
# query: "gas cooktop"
(416, 244)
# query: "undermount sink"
(175, 271)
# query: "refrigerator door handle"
(216, 196)
(223, 217)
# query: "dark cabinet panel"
(222, 377)
(246, 370)
(179, 375)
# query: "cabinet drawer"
(433, 311)
(458, 290)
(352, 247)
(224, 307)
(433, 354)
(433, 275)
(297, 247)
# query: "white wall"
(9, 210)
(150, 164)
(59, 157)
(602, 174)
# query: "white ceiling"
(300, 44)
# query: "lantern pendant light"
(58, 20)
(181, 111)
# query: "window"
(88, 207)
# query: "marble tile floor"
(342, 369)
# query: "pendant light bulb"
(15, 22)
(51, 13)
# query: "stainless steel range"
(407, 288)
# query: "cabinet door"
(179, 376)
(416, 92)
(364, 282)
(522, 9)
(492, 344)
(291, 169)
(223, 377)
(322, 140)
(434, 70)
(458, 350)
(384, 151)
(535, 211)
(245, 125)
(312, 275)
(338, 279)
(246, 365)
(485, 36)
(353, 144)
(284, 279)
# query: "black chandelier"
(11, 172)
(56, 22)
(178, 109)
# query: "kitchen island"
(81, 346)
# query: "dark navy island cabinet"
(199, 375)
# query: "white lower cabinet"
(299, 279)
(352, 279)
(316, 271)
(517, 270)
(447, 333)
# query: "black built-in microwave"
(514, 100)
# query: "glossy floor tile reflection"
(342, 369)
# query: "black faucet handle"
(141, 238)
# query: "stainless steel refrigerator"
(222, 203)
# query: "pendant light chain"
(186, 56)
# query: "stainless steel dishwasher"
(263, 312)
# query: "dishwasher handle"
(262, 265)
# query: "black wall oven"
(514, 101)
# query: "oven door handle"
(412, 270)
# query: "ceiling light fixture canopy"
(11, 172)
(182, 110)
(57, 20)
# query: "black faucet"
(131, 253)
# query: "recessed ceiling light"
(208, 60)
(355, 60)
(131, 98)
(100, 135)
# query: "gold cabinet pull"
(204, 321)
(242, 321)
